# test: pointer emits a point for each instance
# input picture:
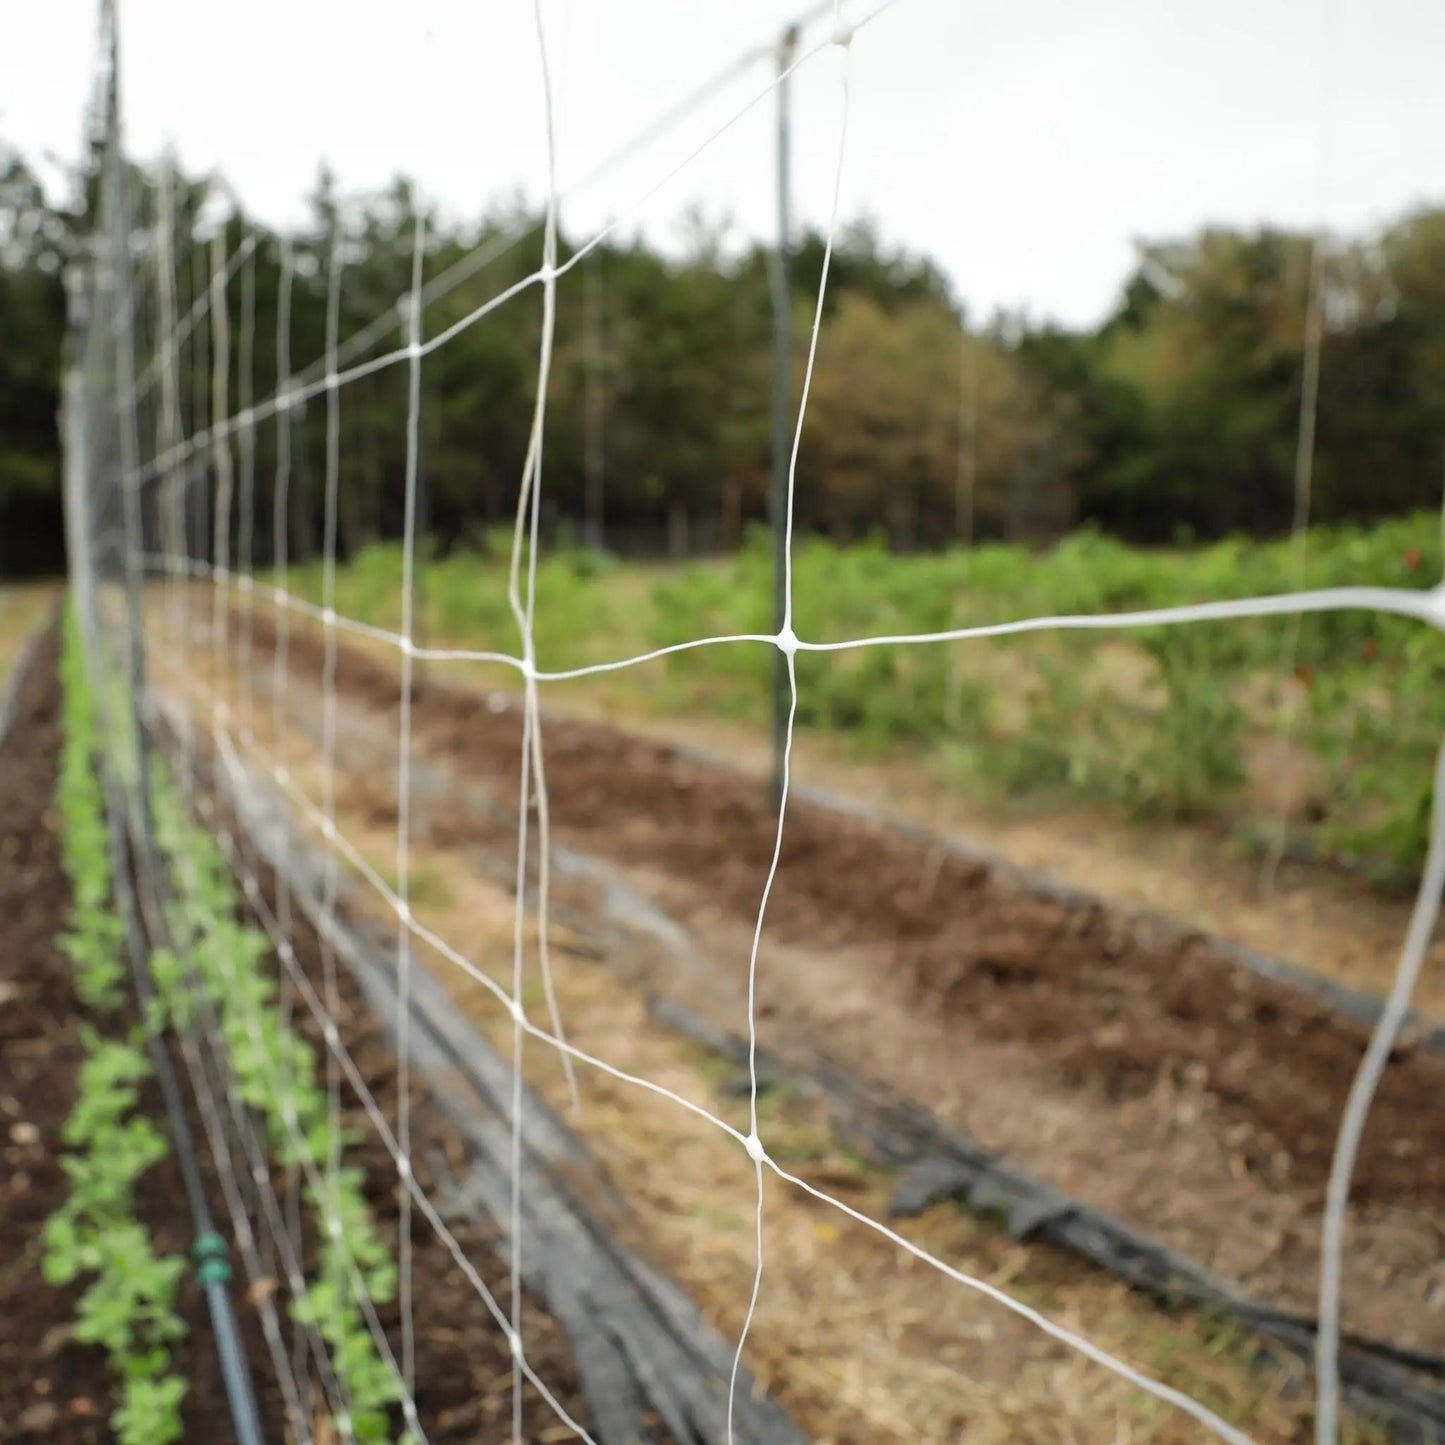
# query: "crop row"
(275, 1074)
(217, 973)
(128, 1306)
(1331, 720)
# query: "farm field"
(1071, 773)
(1151, 1078)
(722, 726)
(22, 610)
(1121, 1049)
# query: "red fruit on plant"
(1368, 648)
(1412, 558)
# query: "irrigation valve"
(209, 1255)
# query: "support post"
(421, 553)
(782, 418)
(964, 503)
(411, 327)
(117, 244)
(596, 406)
(75, 460)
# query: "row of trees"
(1179, 414)
(33, 240)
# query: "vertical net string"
(331, 1164)
(403, 814)
(787, 643)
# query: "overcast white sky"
(1022, 143)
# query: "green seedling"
(127, 1308)
(150, 1406)
(277, 1074)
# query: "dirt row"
(1112, 1007)
(53, 1388)
(50, 1386)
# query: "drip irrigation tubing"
(208, 1249)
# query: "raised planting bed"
(53, 1385)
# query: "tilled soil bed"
(52, 1387)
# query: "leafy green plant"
(95, 948)
(276, 1074)
(150, 1407)
(1033, 714)
(127, 1309)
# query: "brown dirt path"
(1315, 916)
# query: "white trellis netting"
(165, 446)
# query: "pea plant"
(94, 944)
(275, 1074)
(127, 1308)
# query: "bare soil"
(1148, 1075)
(1110, 1008)
(52, 1387)
(1197, 873)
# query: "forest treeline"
(1178, 416)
